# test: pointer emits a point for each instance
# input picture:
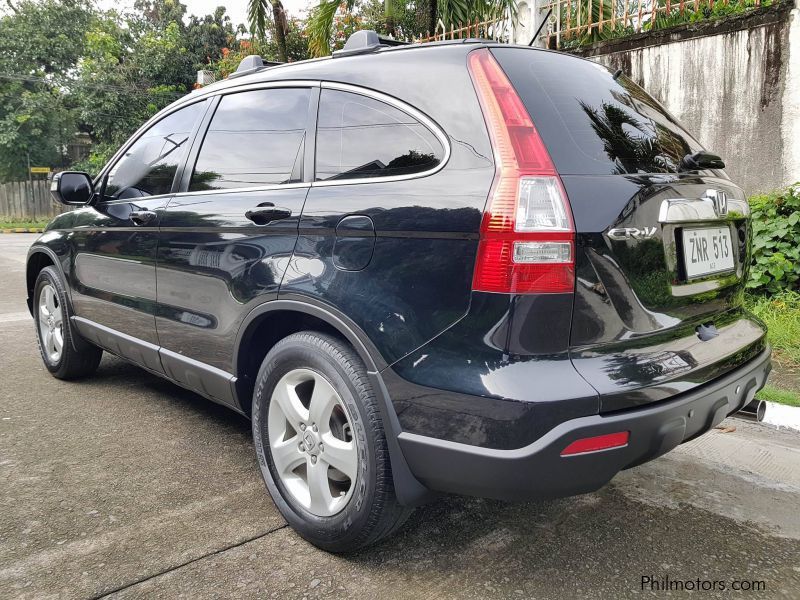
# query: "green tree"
(134, 66)
(402, 18)
(456, 12)
(66, 67)
(296, 49)
(207, 36)
(258, 11)
(127, 74)
(40, 43)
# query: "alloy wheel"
(312, 443)
(51, 326)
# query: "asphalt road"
(128, 486)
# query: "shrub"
(781, 314)
(775, 264)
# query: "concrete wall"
(734, 83)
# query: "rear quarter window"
(591, 122)
(361, 137)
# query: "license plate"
(706, 251)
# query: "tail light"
(527, 243)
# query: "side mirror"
(72, 187)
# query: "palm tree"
(455, 12)
(450, 12)
(257, 14)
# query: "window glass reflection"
(599, 123)
(148, 167)
(255, 138)
(361, 137)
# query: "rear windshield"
(592, 123)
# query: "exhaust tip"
(754, 410)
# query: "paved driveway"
(126, 485)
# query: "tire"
(64, 352)
(306, 377)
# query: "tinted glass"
(591, 122)
(255, 138)
(362, 137)
(148, 167)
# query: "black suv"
(458, 267)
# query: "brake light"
(527, 242)
(598, 442)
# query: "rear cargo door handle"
(266, 212)
(142, 217)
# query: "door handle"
(266, 212)
(142, 217)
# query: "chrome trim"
(309, 83)
(116, 201)
(697, 287)
(400, 105)
(256, 188)
(243, 87)
(688, 210)
(624, 233)
(719, 199)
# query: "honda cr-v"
(462, 267)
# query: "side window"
(148, 167)
(361, 137)
(255, 138)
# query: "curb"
(782, 416)
(23, 230)
(772, 414)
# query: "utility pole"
(30, 182)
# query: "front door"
(227, 238)
(116, 239)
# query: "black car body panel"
(654, 430)
(499, 378)
(634, 327)
(187, 281)
(634, 334)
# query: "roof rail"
(365, 42)
(251, 64)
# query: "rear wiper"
(701, 160)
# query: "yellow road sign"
(44, 170)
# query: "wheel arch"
(270, 322)
(266, 324)
(40, 257)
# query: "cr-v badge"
(626, 233)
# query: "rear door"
(227, 237)
(662, 251)
(384, 234)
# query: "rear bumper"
(539, 470)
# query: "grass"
(28, 224)
(781, 313)
(773, 394)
